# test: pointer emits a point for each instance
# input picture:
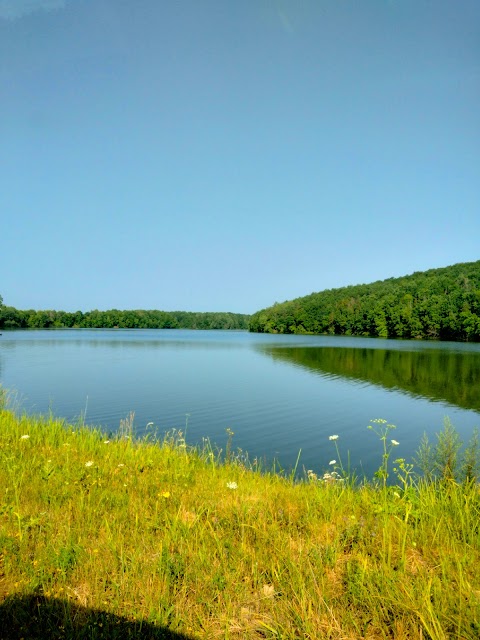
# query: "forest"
(439, 303)
(11, 318)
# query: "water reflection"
(116, 339)
(439, 375)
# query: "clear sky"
(221, 155)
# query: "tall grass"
(97, 530)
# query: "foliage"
(113, 535)
(439, 303)
(447, 459)
(153, 319)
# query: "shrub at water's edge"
(101, 533)
(439, 303)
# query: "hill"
(438, 303)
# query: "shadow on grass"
(36, 617)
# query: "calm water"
(279, 394)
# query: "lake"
(279, 394)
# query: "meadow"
(109, 536)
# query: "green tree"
(439, 303)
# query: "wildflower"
(331, 477)
(106, 442)
(165, 494)
(268, 590)
(332, 462)
(89, 463)
(232, 485)
(395, 443)
(333, 437)
(25, 437)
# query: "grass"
(118, 538)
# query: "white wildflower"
(25, 437)
(268, 590)
(395, 443)
(232, 485)
(332, 462)
(89, 463)
(333, 437)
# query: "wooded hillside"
(438, 303)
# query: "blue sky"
(222, 155)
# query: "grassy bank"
(114, 538)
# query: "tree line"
(438, 303)
(11, 318)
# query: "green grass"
(150, 538)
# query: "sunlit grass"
(213, 548)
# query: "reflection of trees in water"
(37, 618)
(134, 343)
(438, 375)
